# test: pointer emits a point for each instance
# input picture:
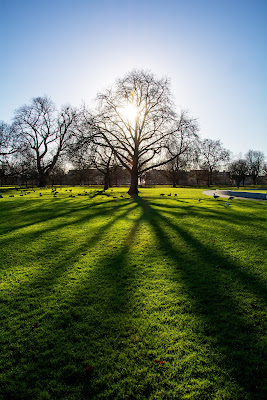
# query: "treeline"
(134, 128)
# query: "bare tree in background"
(185, 149)
(137, 121)
(81, 157)
(44, 132)
(238, 171)
(8, 147)
(105, 162)
(8, 140)
(212, 156)
(255, 161)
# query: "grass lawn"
(104, 297)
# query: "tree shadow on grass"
(211, 278)
(93, 323)
(40, 215)
(87, 309)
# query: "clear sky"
(213, 51)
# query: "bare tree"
(22, 168)
(8, 141)
(238, 171)
(58, 174)
(255, 161)
(81, 155)
(212, 156)
(174, 171)
(105, 162)
(185, 150)
(44, 132)
(137, 121)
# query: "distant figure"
(161, 194)
(175, 194)
(198, 199)
(215, 196)
(228, 204)
(169, 194)
(40, 194)
(231, 198)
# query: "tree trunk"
(106, 181)
(210, 178)
(133, 191)
(42, 180)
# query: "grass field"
(105, 297)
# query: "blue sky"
(214, 53)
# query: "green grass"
(94, 289)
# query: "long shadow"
(222, 218)
(52, 274)
(110, 288)
(214, 301)
(96, 316)
(223, 262)
(206, 212)
(47, 216)
(102, 282)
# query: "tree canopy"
(44, 133)
(138, 122)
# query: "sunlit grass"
(96, 287)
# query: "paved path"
(236, 195)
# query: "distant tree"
(7, 148)
(22, 168)
(137, 121)
(255, 161)
(105, 162)
(57, 175)
(185, 149)
(8, 142)
(174, 170)
(238, 171)
(212, 156)
(81, 155)
(44, 132)
(4, 172)
(92, 152)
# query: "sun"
(129, 112)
